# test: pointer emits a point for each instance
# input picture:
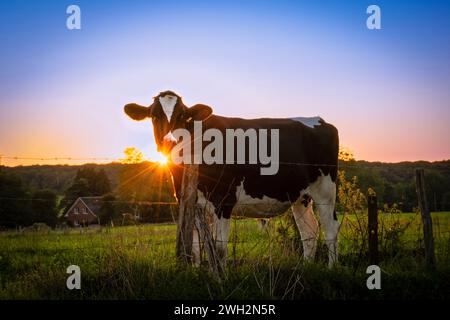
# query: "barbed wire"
(343, 163)
(46, 158)
(106, 201)
(140, 202)
(237, 204)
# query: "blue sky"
(62, 91)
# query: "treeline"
(20, 206)
(38, 194)
(30, 194)
(394, 183)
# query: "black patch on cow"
(306, 200)
(305, 153)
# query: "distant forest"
(394, 184)
(42, 194)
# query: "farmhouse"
(84, 211)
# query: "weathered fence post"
(373, 229)
(186, 214)
(206, 237)
(426, 219)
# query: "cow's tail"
(331, 149)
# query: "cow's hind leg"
(330, 225)
(307, 225)
(324, 195)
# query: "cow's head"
(168, 112)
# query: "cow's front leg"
(222, 232)
(307, 225)
(330, 225)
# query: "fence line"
(343, 165)
(46, 158)
(145, 202)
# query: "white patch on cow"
(205, 203)
(170, 137)
(222, 232)
(323, 192)
(168, 103)
(307, 225)
(255, 207)
(221, 226)
(308, 121)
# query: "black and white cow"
(308, 158)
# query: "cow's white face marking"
(308, 121)
(255, 207)
(170, 137)
(168, 103)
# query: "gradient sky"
(62, 92)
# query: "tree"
(108, 211)
(143, 183)
(101, 184)
(345, 154)
(79, 188)
(44, 207)
(14, 201)
(97, 181)
(88, 182)
(445, 203)
(132, 155)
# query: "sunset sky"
(62, 92)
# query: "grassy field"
(138, 262)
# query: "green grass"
(138, 262)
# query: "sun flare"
(162, 159)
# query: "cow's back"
(305, 153)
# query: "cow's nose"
(169, 137)
(169, 141)
(167, 147)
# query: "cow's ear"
(137, 112)
(199, 112)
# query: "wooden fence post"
(426, 219)
(186, 214)
(207, 238)
(373, 229)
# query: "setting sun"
(161, 159)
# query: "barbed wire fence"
(235, 240)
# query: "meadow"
(138, 262)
